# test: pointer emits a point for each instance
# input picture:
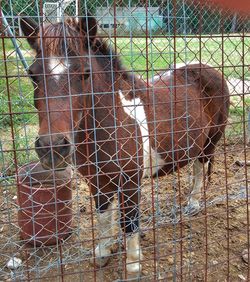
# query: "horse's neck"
(105, 98)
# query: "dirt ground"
(203, 247)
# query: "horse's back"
(213, 89)
(191, 105)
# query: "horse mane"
(65, 38)
(106, 56)
(59, 38)
(112, 65)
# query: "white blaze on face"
(57, 67)
(135, 109)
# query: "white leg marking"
(105, 227)
(57, 67)
(135, 109)
(156, 162)
(198, 184)
(134, 254)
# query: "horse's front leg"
(129, 221)
(105, 225)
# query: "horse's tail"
(214, 92)
(210, 81)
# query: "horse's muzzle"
(54, 151)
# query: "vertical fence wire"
(73, 144)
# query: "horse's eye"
(86, 74)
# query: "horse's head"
(61, 77)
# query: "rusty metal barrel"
(45, 204)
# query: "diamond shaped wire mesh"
(54, 223)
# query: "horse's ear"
(30, 29)
(88, 24)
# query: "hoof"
(102, 256)
(192, 208)
(130, 277)
(100, 261)
(245, 255)
(134, 270)
(133, 278)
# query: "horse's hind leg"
(129, 221)
(105, 224)
(199, 170)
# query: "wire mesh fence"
(124, 143)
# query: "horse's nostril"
(63, 141)
(57, 146)
(62, 146)
(66, 141)
(54, 151)
(37, 143)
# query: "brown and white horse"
(117, 128)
